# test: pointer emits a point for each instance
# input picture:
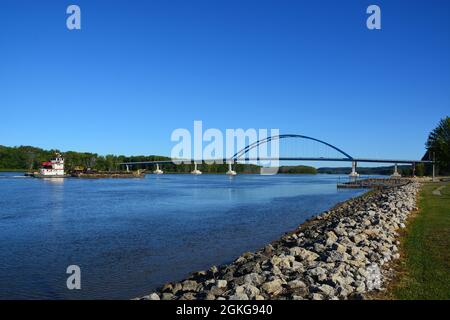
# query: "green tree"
(438, 145)
(420, 169)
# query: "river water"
(129, 236)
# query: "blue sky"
(140, 69)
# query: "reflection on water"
(131, 235)
(54, 180)
(56, 194)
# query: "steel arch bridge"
(241, 156)
(238, 155)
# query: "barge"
(55, 169)
(108, 174)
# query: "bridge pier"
(354, 174)
(396, 174)
(230, 171)
(158, 171)
(128, 168)
(196, 171)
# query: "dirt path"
(437, 191)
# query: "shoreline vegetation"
(423, 272)
(28, 158)
(343, 253)
(12, 170)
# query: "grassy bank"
(424, 272)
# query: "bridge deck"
(367, 160)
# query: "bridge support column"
(158, 171)
(196, 171)
(354, 174)
(396, 174)
(434, 172)
(128, 168)
(230, 171)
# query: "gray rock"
(254, 279)
(358, 238)
(214, 269)
(268, 249)
(216, 291)
(317, 271)
(221, 283)
(239, 296)
(298, 266)
(273, 287)
(276, 271)
(188, 296)
(373, 277)
(340, 231)
(331, 238)
(303, 254)
(342, 291)
(318, 247)
(240, 260)
(295, 284)
(210, 296)
(282, 261)
(362, 272)
(167, 296)
(358, 296)
(248, 289)
(327, 290)
(168, 287)
(360, 286)
(177, 287)
(339, 247)
(337, 279)
(152, 296)
(316, 296)
(190, 285)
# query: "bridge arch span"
(238, 155)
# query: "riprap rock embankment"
(339, 254)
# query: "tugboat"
(52, 169)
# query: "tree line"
(438, 147)
(28, 158)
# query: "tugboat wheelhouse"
(54, 167)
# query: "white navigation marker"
(230, 171)
(196, 171)
(158, 171)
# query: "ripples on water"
(132, 235)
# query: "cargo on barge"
(107, 174)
